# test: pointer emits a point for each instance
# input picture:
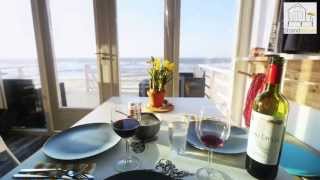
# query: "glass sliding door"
(140, 36)
(66, 48)
(207, 37)
(73, 36)
(20, 87)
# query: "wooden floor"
(22, 146)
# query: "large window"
(17, 43)
(19, 71)
(206, 44)
(140, 36)
(74, 47)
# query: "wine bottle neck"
(274, 75)
(273, 88)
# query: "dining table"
(231, 165)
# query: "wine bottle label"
(265, 138)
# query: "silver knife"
(37, 176)
(39, 170)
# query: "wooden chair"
(4, 148)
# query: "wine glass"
(125, 127)
(212, 130)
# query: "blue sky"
(207, 28)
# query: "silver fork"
(78, 175)
(69, 173)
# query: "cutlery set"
(51, 173)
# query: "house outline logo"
(300, 18)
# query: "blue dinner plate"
(81, 142)
(237, 142)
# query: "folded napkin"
(167, 167)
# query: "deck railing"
(217, 79)
(32, 72)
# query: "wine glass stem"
(127, 148)
(210, 158)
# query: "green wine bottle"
(267, 126)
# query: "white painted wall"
(304, 123)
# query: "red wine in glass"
(212, 140)
(212, 130)
(125, 128)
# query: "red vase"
(156, 98)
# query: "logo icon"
(300, 18)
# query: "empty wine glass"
(125, 127)
(212, 130)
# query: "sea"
(75, 68)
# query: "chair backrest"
(4, 148)
(19, 94)
(2, 145)
(192, 87)
(3, 104)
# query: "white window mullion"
(107, 47)
(41, 15)
(242, 49)
(171, 41)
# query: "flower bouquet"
(160, 74)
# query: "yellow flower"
(166, 63)
(169, 65)
(157, 63)
(160, 72)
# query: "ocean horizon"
(73, 68)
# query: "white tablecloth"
(230, 165)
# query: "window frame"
(103, 22)
(57, 117)
(172, 41)
(245, 11)
(241, 50)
